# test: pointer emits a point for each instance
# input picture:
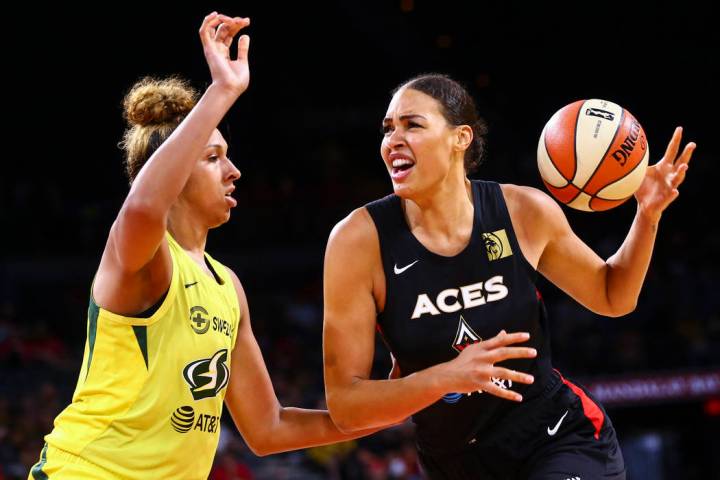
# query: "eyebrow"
(216, 145)
(405, 117)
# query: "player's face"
(208, 191)
(417, 144)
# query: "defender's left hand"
(660, 185)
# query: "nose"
(232, 171)
(396, 138)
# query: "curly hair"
(153, 108)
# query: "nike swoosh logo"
(188, 285)
(553, 431)
(398, 271)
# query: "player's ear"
(463, 137)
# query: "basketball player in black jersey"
(443, 269)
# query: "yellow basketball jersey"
(150, 393)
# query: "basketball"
(592, 155)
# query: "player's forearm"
(628, 266)
(303, 428)
(379, 403)
(163, 177)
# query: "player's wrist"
(648, 216)
(439, 379)
(227, 90)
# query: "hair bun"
(154, 101)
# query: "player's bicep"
(350, 310)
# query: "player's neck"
(446, 213)
(188, 234)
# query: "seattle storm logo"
(208, 376)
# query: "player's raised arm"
(141, 223)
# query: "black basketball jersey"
(436, 306)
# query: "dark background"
(306, 137)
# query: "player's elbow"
(619, 309)
(613, 310)
(271, 439)
(343, 422)
(623, 305)
(624, 310)
(258, 450)
(614, 302)
(344, 425)
(261, 447)
(342, 416)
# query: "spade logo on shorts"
(208, 376)
(182, 419)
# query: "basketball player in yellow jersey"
(169, 336)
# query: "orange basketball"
(592, 155)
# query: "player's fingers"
(214, 29)
(679, 175)
(502, 339)
(208, 18)
(210, 22)
(673, 147)
(686, 155)
(225, 19)
(493, 389)
(236, 24)
(504, 353)
(514, 375)
(221, 34)
(207, 25)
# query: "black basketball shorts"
(565, 435)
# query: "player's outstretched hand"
(660, 186)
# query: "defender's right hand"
(474, 368)
(216, 33)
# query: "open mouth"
(401, 167)
(230, 200)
